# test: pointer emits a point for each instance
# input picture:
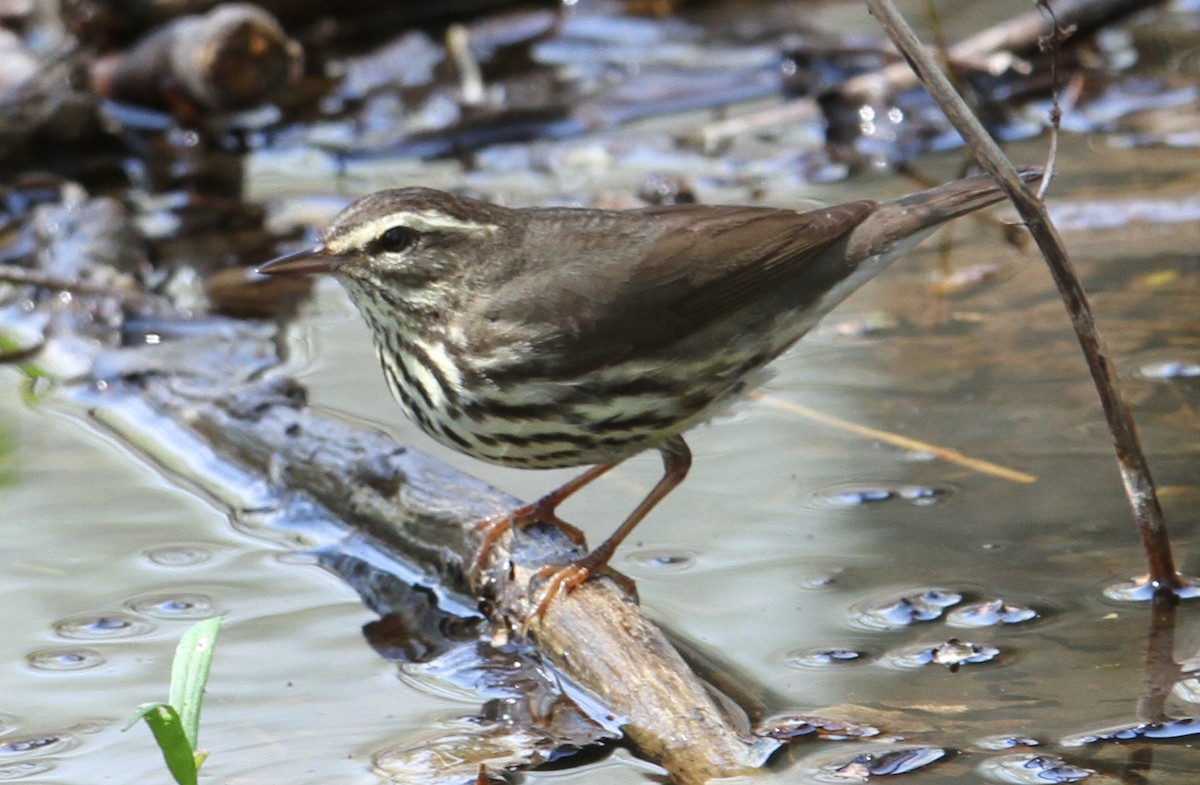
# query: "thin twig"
(1053, 43)
(897, 440)
(1135, 471)
(11, 273)
(472, 91)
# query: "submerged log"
(425, 510)
(234, 57)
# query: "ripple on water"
(790, 726)
(64, 659)
(662, 560)
(22, 770)
(825, 657)
(1168, 729)
(103, 626)
(859, 495)
(179, 555)
(173, 606)
(1142, 590)
(34, 746)
(1170, 369)
(894, 610)
(1006, 742)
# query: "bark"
(426, 511)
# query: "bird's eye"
(397, 239)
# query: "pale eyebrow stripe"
(420, 221)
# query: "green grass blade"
(189, 673)
(167, 728)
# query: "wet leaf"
(791, 726)
(1168, 729)
(893, 611)
(900, 761)
(988, 614)
(952, 654)
(1032, 770)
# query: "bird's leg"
(490, 529)
(677, 459)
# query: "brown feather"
(679, 269)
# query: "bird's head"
(406, 238)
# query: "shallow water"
(789, 539)
(770, 552)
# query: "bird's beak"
(306, 262)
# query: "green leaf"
(189, 674)
(167, 728)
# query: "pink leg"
(543, 509)
(677, 459)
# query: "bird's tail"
(901, 223)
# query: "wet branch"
(1020, 34)
(416, 506)
(1135, 471)
(234, 57)
(14, 274)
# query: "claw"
(490, 530)
(541, 510)
(559, 580)
(676, 460)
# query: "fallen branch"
(1021, 34)
(1017, 35)
(596, 636)
(234, 57)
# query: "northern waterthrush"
(558, 337)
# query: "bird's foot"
(490, 530)
(560, 581)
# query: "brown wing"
(633, 283)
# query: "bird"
(552, 337)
